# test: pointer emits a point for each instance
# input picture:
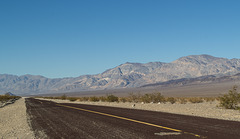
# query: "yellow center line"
(128, 119)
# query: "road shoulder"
(14, 121)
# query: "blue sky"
(62, 38)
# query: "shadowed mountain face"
(197, 81)
(124, 76)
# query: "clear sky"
(69, 38)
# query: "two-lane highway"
(88, 121)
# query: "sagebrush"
(230, 100)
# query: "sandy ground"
(14, 123)
(206, 109)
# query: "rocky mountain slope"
(124, 76)
(197, 81)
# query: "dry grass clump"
(209, 99)
(146, 98)
(83, 98)
(134, 97)
(47, 97)
(94, 99)
(111, 98)
(122, 99)
(195, 100)
(153, 97)
(72, 98)
(102, 98)
(172, 100)
(63, 97)
(4, 98)
(182, 100)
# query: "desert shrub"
(111, 98)
(122, 99)
(57, 98)
(134, 97)
(218, 98)
(48, 97)
(172, 100)
(94, 99)
(230, 100)
(63, 97)
(83, 98)
(209, 99)
(102, 99)
(195, 100)
(8, 97)
(72, 98)
(3, 98)
(158, 97)
(182, 100)
(153, 97)
(146, 98)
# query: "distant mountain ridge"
(124, 76)
(9, 94)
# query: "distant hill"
(9, 94)
(127, 75)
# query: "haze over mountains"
(124, 76)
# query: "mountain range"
(127, 75)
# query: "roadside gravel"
(14, 123)
(205, 109)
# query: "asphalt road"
(73, 121)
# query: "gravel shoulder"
(14, 121)
(205, 109)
